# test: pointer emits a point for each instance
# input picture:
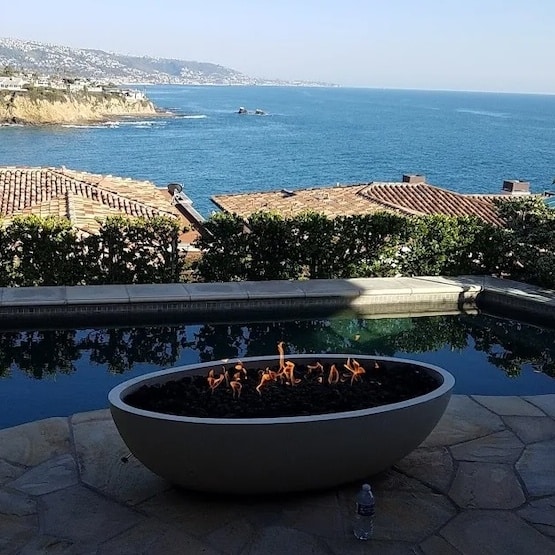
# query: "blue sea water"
(464, 141)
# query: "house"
(86, 199)
(133, 95)
(411, 196)
(12, 84)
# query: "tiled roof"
(81, 197)
(331, 201)
(422, 198)
(345, 200)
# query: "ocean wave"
(80, 126)
(483, 113)
(116, 124)
(195, 116)
(148, 122)
(11, 125)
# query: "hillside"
(48, 59)
(56, 107)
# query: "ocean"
(464, 141)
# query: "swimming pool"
(58, 372)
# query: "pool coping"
(367, 296)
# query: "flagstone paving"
(482, 483)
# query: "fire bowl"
(284, 454)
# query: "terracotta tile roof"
(81, 197)
(331, 201)
(343, 200)
(422, 198)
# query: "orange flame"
(281, 355)
(214, 382)
(236, 387)
(333, 376)
(315, 367)
(267, 376)
(241, 369)
(355, 368)
(285, 374)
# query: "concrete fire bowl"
(270, 455)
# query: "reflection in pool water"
(59, 372)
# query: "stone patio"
(482, 483)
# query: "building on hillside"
(133, 95)
(411, 196)
(86, 199)
(12, 84)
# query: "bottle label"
(365, 510)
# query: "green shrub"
(49, 251)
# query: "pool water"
(58, 372)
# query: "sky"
(483, 45)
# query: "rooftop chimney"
(516, 187)
(413, 178)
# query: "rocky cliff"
(64, 108)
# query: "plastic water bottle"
(363, 527)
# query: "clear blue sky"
(491, 45)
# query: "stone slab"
(486, 486)
(432, 466)
(352, 546)
(541, 513)
(155, 538)
(35, 442)
(436, 545)
(234, 537)
(9, 472)
(536, 467)
(56, 473)
(512, 287)
(277, 540)
(322, 521)
(393, 480)
(80, 515)
(230, 291)
(531, 429)
(200, 514)
(464, 283)
(432, 286)
(97, 294)
(381, 286)
(100, 449)
(545, 402)
(495, 533)
(42, 544)
(508, 405)
(157, 292)
(500, 447)
(409, 516)
(274, 289)
(464, 420)
(15, 532)
(33, 296)
(344, 288)
(90, 416)
(16, 504)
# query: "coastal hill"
(37, 107)
(48, 59)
